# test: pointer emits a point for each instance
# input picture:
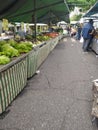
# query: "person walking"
(78, 34)
(87, 34)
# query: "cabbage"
(9, 51)
(12, 42)
(2, 43)
(24, 47)
(4, 60)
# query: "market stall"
(28, 43)
(15, 72)
(94, 112)
(93, 13)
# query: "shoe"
(85, 50)
(89, 49)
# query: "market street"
(59, 97)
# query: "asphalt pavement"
(59, 96)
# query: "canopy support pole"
(35, 19)
(67, 6)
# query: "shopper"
(78, 34)
(87, 34)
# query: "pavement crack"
(84, 99)
(49, 84)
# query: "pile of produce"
(42, 38)
(4, 59)
(9, 51)
(11, 48)
(29, 37)
(52, 34)
(39, 39)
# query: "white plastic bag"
(81, 40)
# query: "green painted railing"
(13, 78)
(32, 62)
(43, 51)
(53, 43)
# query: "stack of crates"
(95, 99)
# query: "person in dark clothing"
(87, 34)
(79, 29)
(90, 42)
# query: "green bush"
(76, 17)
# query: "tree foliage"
(84, 4)
(75, 17)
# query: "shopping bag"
(81, 40)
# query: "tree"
(76, 17)
(84, 4)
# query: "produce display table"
(94, 112)
(43, 52)
(32, 62)
(54, 42)
(13, 78)
(95, 45)
(14, 75)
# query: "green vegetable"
(2, 43)
(24, 47)
(9, 51)
(43, 38)
(12, 42)
(29, 45)
(4, 60)
(29, 37)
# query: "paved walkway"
(60, 96)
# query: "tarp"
(93, 12)
(23, 10)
